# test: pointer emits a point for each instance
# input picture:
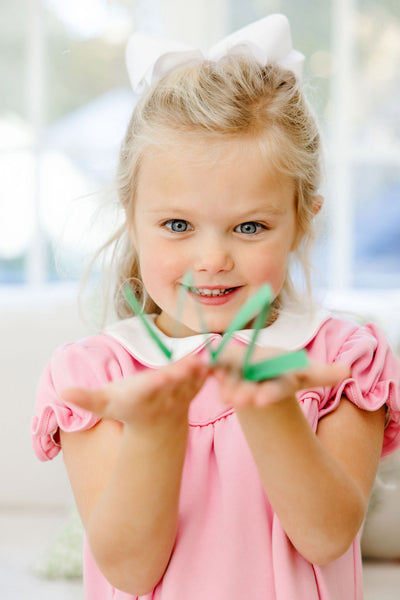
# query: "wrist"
(157, 432)
(283, 405)
(280, 418)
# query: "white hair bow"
(150, 57)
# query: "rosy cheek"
(159, 262)
(271, 272)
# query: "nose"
(214, 256)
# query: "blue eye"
(177, 225)
(249, 227)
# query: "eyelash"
(259, 227)
(169, 225)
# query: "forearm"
(318, 503)
(132, 528)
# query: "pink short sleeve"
(375, 378)
(90, 363)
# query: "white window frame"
(339, 185)
(36, 271)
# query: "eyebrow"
(269, 210)
(254, 211)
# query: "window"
(67, 101)
(61, 121)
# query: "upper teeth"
(208, 292)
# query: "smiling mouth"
(212, 293)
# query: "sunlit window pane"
(59, 145)
(377, 230)
(17, 176)
(377, 85)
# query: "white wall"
(32, 325)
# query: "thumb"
(322, 374)
(95, 401)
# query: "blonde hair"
(235, 97)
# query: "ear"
(317, 204)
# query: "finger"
(154, 380)
(245, 394)
(220, 375)
(233, 389)
(95, 401)
(191, 366)
(273, 390)
(321, 374)
(226, 388)
(225, 370)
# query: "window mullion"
(36, 260)
(342, 202)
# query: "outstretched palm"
(149, 396)
(239, 392)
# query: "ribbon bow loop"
(148, 58)
(269, 40)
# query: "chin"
(215, 328)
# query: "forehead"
(207, 150)
(234, 168)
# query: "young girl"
(193, 483)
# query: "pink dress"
(230, 544)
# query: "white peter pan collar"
(292, 330)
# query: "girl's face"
(229, 220)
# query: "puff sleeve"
(375, 376)
(90, 363)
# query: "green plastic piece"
(257, 307)
(258, 325)
(187, 281)
(250, 309)
(136, 308)
(276, 366)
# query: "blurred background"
(65, 101)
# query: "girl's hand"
(152, 396)
(237, 392)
